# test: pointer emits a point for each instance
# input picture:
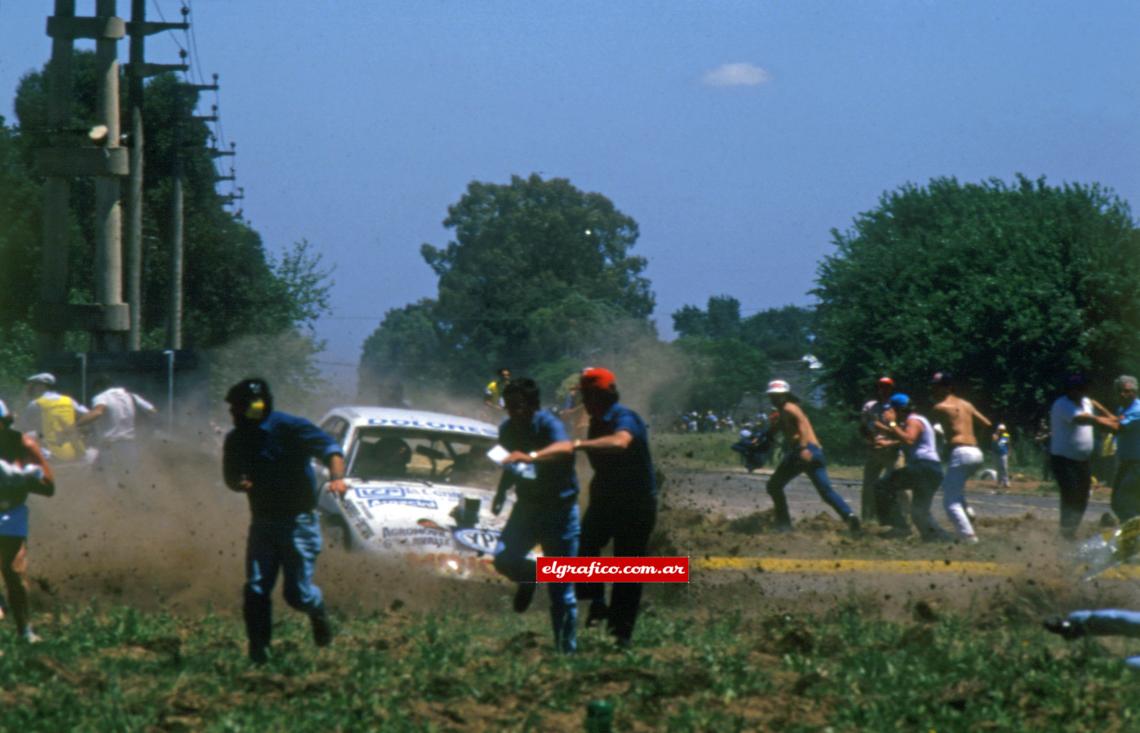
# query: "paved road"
(737, 493)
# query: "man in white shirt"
(114, 411)
(1070, 451)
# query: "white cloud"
(739, 74)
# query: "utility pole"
(137, 71)
(105, 161)
(108, 211)
(177, 256)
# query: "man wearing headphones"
(267, 457)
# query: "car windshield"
(393, 453)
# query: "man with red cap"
(882, 449)
(623, 497)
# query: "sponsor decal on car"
(477, 539)
(449, 427)
(418, 503)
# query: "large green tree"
(1010, 286)
(539, 277)
(233, 289)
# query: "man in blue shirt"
(541, 468)
(1126, 424)
(623, 497)
(267, 457)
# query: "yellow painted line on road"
(821, 566)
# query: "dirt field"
(174, 540)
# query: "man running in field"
(802, 454)
(957, 417)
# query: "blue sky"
(737, 134)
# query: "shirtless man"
(802, 454)
(957, 417)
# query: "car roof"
(359, 416)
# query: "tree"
(1008, 286)
(539, 274)
(783, 334)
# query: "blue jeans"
(556, 528)
(816, 470)
(291, 545)
(1109, 622)
(921, 477)
(1126, 491)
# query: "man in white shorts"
(957, 416)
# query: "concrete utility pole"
(108, 211)
(57, 190)
(108, 317)
(137, 71)
(177, 256)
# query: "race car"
(420, 484)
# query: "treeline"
(233, 290)
(1009, 286)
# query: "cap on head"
(944, 379)
(778, 386)
(886, 382)
(900, 401)
(45, 378)
(598, 378)
(1001, 426)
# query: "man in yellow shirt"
(54, 418)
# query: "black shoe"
(524, 595)
(259, 655)
(1063, 626)
(322, 629)
(599, 612)
(855, 525)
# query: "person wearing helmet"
(957, 417)
(803, 454)
(1001, 440)
(882, 449)
(268, 457)
(25, 471)
(55, 418)
(623, 497)
(921, 475)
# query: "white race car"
(420, 484)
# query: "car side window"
(336, 427)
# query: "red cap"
(887, 380)
(598, 378)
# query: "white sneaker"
(970, 512)
(31, 637)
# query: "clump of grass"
(691, 669)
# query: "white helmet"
(778, 386)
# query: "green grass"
(454, 670)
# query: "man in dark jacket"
(623, 497)
(267, 456)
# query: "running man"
(541, 468)
(20, 456)
(802, 454)
(882, 448)
(957, 417)
(922, 473)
